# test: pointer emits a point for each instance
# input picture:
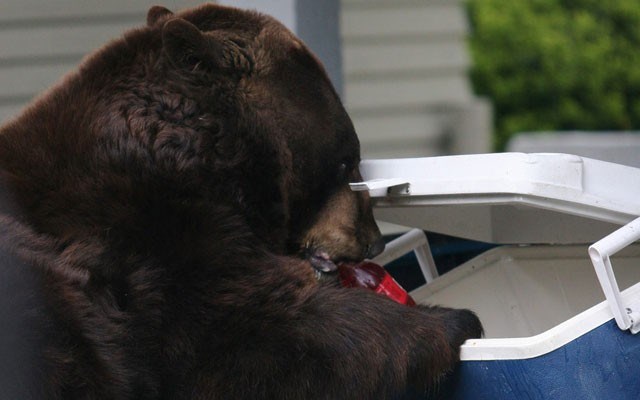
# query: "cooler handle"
(415, 240)
(626, 316)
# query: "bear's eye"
(192, 60)
(342, 171)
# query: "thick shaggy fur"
(161, 211)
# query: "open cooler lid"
(505, 197)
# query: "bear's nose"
(375, 248)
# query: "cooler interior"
(520, 291)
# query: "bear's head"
(274, 119)
(211, 103)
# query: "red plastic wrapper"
(374, 277)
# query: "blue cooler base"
(602, 364)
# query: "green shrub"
(557, 64)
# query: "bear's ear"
(184, 43)
(156, 13)
(188, 47)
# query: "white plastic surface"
(508, 197)
(522, 291)
(374, 186)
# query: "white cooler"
(559, 310)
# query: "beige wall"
(405, 65)
(41, 40)
(406, 82)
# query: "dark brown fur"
(155, 212)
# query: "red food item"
(372, 276)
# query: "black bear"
(163, 212)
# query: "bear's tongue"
(322, 262)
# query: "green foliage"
(557, 64)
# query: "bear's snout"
(345, 230)
(375, 248)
